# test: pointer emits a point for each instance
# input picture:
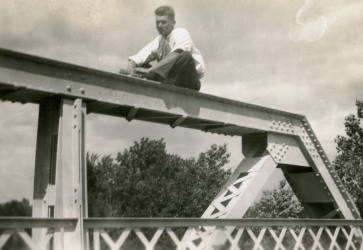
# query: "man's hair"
(165, 11)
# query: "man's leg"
(178, 69)
(184, 72)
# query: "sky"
(302, 56)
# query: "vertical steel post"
(71, 181)
(45, 158)
(60, 180)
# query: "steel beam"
(177, 121)
(234, 199)
(58, 78)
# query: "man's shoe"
(125, 72)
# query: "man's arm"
(165, 62)
(145, 55)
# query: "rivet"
(75, 116)
(82, 90)
(74, 126)
(69, 89)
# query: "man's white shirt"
(179, 38)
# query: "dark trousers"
(178, 69)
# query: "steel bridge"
(271, 139)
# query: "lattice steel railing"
(32, 233)
(172, 233)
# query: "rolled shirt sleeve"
(181, 39)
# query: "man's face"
(164, 25)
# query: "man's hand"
(131, 67)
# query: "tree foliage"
(16, 208)
(349, 160)
(277, 203)
(145, 180)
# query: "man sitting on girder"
(177, 60)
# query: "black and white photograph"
(189, 125)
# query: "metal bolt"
(82, 90)
(69, 89)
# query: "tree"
(278, 203)
(16, 208)
(349, 160)
(145, 180)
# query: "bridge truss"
(66, 93)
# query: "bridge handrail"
(29, 222)
(194, 222)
